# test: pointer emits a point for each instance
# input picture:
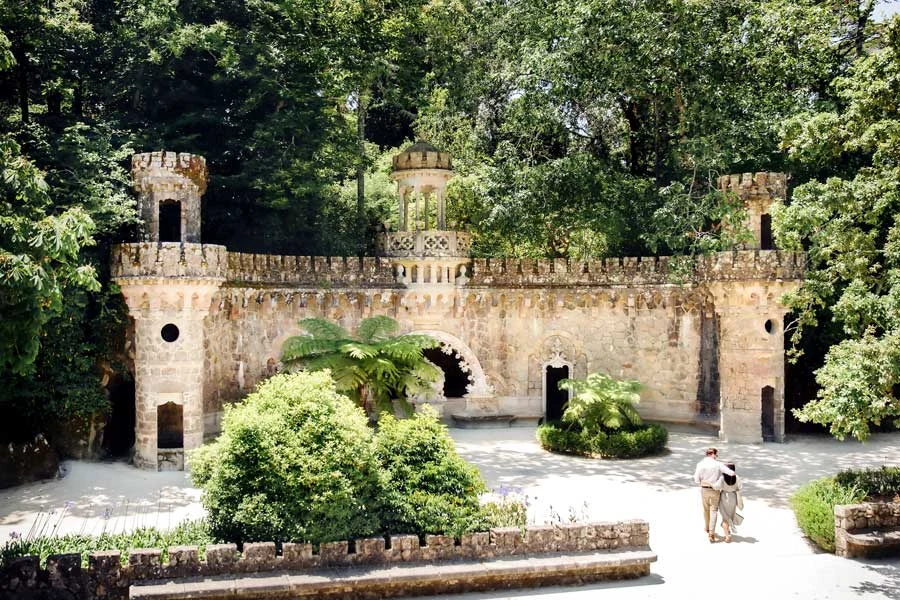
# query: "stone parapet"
(150, 170)
(761, 184)
(740, 265)
(147, 260)
(314, 271)
(107, 577)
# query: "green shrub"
(295, 462)
(640, 441)
(429, 487)
(557, 437)
(814, 504)
(881, 483)
(192, 533)
(637, 441)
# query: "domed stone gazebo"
(422, 172)
(422, 249)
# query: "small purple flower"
(106, 514)
(69, 504)
(14, 535)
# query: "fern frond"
(324, 329)
(377, 329)
(359, 350)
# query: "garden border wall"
(107, 578)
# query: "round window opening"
(169, 332)
(770, 326)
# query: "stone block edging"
(866, 529)
(107, 578)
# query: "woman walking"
(730, 500)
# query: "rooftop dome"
(421, 146)
(421, 155)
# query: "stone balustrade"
(869, 529)
(432, 243)
(106, 576)
(148, 260)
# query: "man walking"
(706, 474)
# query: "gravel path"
(768, 558)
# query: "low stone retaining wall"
(591, 551)
(870, 529)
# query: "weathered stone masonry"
(709, 349)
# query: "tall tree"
(848, 224)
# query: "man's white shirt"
(708, 471)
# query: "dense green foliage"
(296, 461)
(190, 533)
(632, 442)
(374, 368)
(814, 504)
(878, 483)
(430, 489)
(579, 128)
(846, 218)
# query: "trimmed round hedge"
(634, 442)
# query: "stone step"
(408, 579)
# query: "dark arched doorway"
(765, 233)
(456, 380)
(170, 221)
(555, 399)
(118, 435)
(170, 426)
(767, 413)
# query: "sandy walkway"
(769, 559)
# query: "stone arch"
(469, 363)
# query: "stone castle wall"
(621, 317)
(703, 336)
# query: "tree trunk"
(361, 173)
(21, 57)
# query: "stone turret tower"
(168, 285)
(423, 251)
(751, 320)
(758, 191)
(169, 187)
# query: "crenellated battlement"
(173, 260)
(150, 170)
(738, 265)
(748, 186)
(170, 260)
(315, 271)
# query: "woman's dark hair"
(730, 479)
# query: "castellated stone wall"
(512, 318)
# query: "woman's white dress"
(728, 503)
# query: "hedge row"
(641, 440)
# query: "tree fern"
(373, 368)
(600, 402)
(377, 329)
